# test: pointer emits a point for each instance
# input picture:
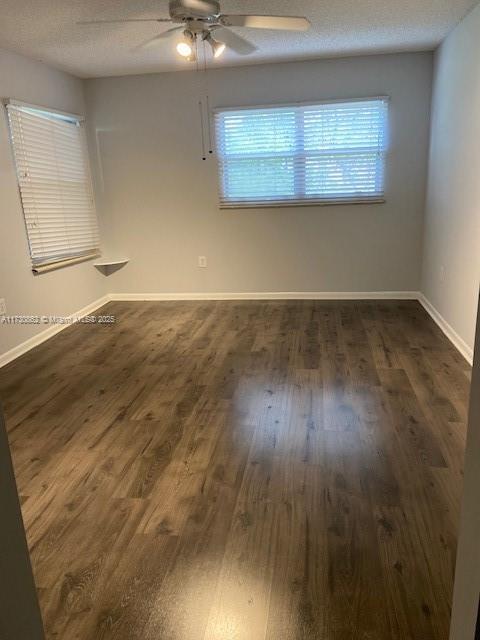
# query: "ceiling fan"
(202, 20)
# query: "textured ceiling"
(47, 30)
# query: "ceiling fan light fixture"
(184, 49)
(217, 47)
(186, 46)
(198, 20)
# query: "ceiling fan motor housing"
(205, 9)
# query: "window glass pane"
(342, 175)
(317, 153)
(259, 132)
(354, 126)
(263, 178)
(51, 159)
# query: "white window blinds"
(53, 173)
(303, 154)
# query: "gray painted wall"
(159, 200)
(59, 292)
(451, 265)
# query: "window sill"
(304, 203)
(51, 266)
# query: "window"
(53, 173)
(303, 154)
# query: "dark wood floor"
(242, 471)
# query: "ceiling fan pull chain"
(201, 92)
(197, 61)
(207, 98)
(209, 124)
(200, 108)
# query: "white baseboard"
(448, 330)
(451, 334)
(44, 335)
(270, 295)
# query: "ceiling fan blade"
(288, 23)
(158, 38)
(86, 22)
(234, 42)
(199, 7)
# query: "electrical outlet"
(442, 274)
(3, 307)
(202, 261)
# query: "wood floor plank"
(119, 613)
(251, 470)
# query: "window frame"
(303, 202)
(38, 265)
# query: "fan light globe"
(218, 49)
(184, 49)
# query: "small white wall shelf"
(107, 266)
(110, 262)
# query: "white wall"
(451, 267)
(160, 200)
(467, 573)
(60, 292)
(452, 247)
